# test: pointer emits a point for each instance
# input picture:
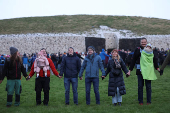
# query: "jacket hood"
(102, 50)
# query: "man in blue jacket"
(25, 62)
(70, 66)
(92, 63)
(103, 55)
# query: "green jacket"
(166, 61)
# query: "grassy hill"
(80, 23)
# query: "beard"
(148, 50)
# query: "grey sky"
(31, 8)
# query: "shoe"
(45, 104)
(67, 104)
(119, 103)
(38, 104)
(115, 104)
(148, 103)
(140, 103)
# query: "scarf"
(117, 63)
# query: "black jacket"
(13, 71)
(116, 80)
(70, 66)
(136, 60)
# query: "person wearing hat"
(136, 60)
(70, 67)
(92, 63)
(146, 63)
(12, 70)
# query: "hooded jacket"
(92, 66)
(103, 54)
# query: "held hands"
(28, 77)
(103, 77)
(81, 78)
(59, 76)
(128, 74)
(161, 72)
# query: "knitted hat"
(91, 47)
(149, 45)
(13, 50)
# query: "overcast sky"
(32, 8)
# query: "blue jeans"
(117, 97)
(58, 67)
(26, 67)
(95, 82)
(74, 82)
(140, 89)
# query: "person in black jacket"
(136, 60)
(12, 69)
(116, 86)
(70, 66)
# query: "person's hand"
(158, 69)
(103, 77)
(60, 76)
(28, 78)
(0, 81)
(81, 78)
(128, 73)
(161, 72)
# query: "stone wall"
(32, 44)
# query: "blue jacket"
(2, 60)
(92, 66)
(25, 59)
(33, 58)
(103, 54)
(70, 66)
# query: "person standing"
(116, 86)
(102, 55)
(12, 70)
(43, 82)
(92, 63)
(136, 59)
(25, 62)
(166, 61)
(70, 66)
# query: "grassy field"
(81, 23)
(160, 97)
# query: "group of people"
(144, 58)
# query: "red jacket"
(41, 73)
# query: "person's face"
(18, 53)
(44, 52)
(70, 51)
(148, 47)
(114, 54)
(90, 51)
(143, 42)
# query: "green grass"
(81, 23)
(160, 97)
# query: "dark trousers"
(95, 82)
(140, 89)
(42, 83)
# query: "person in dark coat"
(116, 86)
(136, 60)
(12, 70)
(70, 67)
